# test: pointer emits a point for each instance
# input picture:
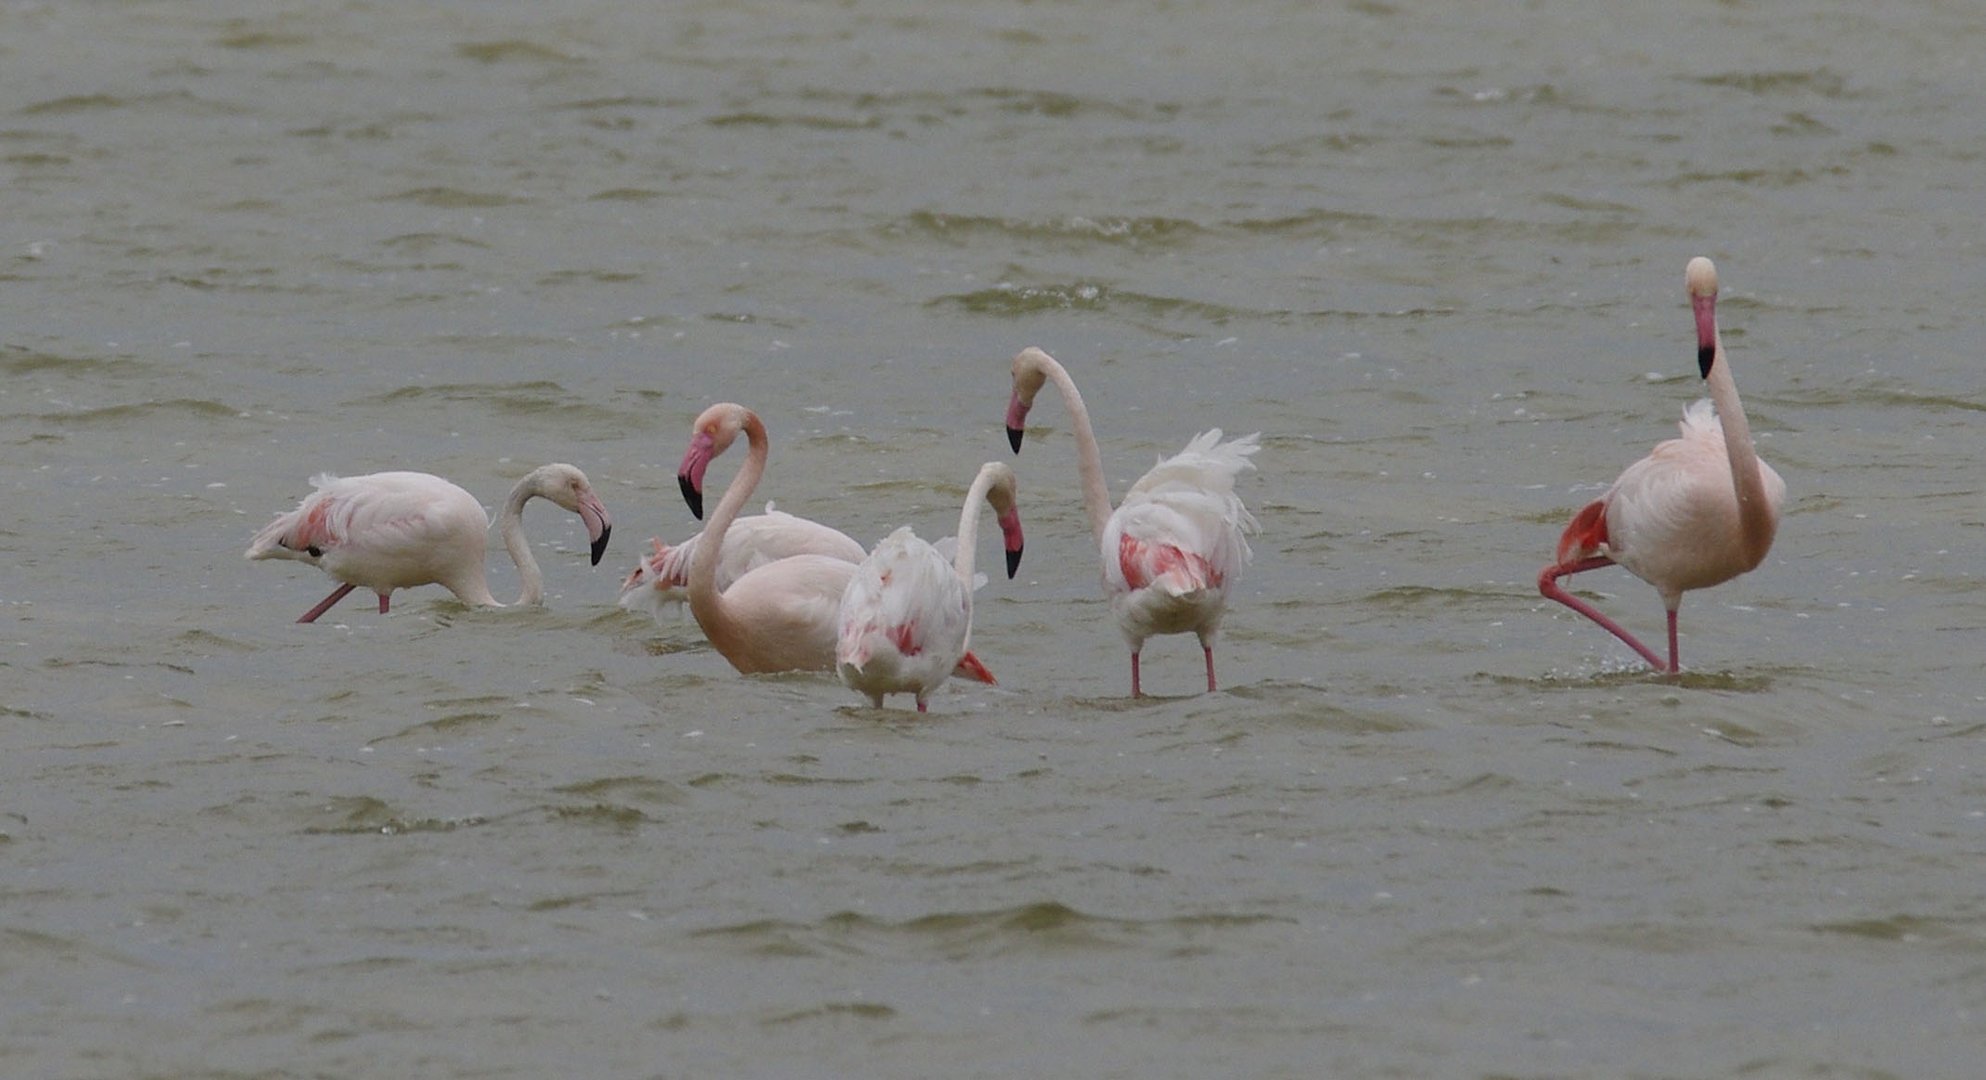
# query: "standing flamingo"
(906, 616)
(396, 530)
(1177, 544)
(663, 576)
(1696, 512)
(777, 617)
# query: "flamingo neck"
(1756, 523)
(1089, 460)
(968, 534)
(706, 603)
(510, 526)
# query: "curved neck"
(1089, 461)
(706, 603)
(1755, 522)
(510, 526)
(968, 534)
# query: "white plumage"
(906, 616)
(662, 578)
(1174, 550)
(395, 530)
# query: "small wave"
(1405, 598)
(625, 195)
(453, 724)
(1902, 928)
(640, 789)
(1823, 81)
(804, 122)
(1015, 300)
(15, 360)
(248, 39)
(1135, 232)
(835, 1010)
(190, 409)
(454, 198)
(424, 242)
(177, 101)
(363, 814)
(1044, 927)
(1774, 178)
(496, 52)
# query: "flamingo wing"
(908, 596)
(663, 576)
(1672, 517)
(386, 530)
(1179, 541)
(1181, 527)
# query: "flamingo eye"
(314, 551)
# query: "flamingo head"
(1701, 278)
(713, 433)
(567, 487)
(1004, 496)
(1029, 374)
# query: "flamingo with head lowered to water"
(396, 530)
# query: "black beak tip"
(1013, 563)
(691, 496)
(600, 545)
(1705, 356)
(1014, 438)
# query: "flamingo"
(779, 616)
(906, 615)
(396, 530)
(1175, 547)
(663, 576)
(1696, 512)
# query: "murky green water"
(1431, 827)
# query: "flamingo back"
(905, 619)
(781, 616)
(1178, 542)
(382, 531)
(663, 577)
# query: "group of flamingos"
(775, 592)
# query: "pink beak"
(599, 525)
(1010, 534)
(1706, 332)
(1016, 421)
(689, 475)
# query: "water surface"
(1431, 825)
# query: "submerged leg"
(382, 602)
(1548, 586)
(1209, 650)
(324, 605)
(1134, 674)
(1675, 661)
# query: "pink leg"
(324, 605)
(1548, 586)
(1209, 650)
(1675, 661)
(382, 602)
(1134, 675)
(920, 705)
